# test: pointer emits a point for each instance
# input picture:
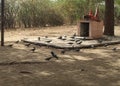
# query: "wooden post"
(2, 22)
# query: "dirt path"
(88, 67)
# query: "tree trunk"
(2, 22)
(109, 18)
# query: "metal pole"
(2, 22)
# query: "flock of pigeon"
(53, 55)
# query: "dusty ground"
(89, 67)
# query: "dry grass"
(48, 31)
(89, 67)
(16, 34)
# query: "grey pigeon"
(38, 38)
(73, 37)
(93, 46)
(25, 72)
(63, 38)
(17, 41)
(100, 40)
(70, 43)
(27, 44)
(82, 70)
(79, 42)
(10, 45)
(54, 55)
(60, 37)
(105, 45)
(49, 58)
(77, 50)
(33, 49)
(46, 36)
(114, 49)
(74, 34)
(63, 52)
(84, 38)
(48, 41)
(12, 63)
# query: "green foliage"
(39, 13)
(71, 9)
(74, 10)
(11, 11)
(117, 12)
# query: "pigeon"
(13, 62)
(17, 41)
(46, 36)
(27, 44)
(79, 42)
(63, 38)
(54, 55)
(82, 70)
(49, 58)
(33, 49)
(105, 45)
(38, 38)
(77, 50)
(60, 37)
(48, 41)
(92, 46)
(74, 35)
(72, 39)
(100, 41)
(10, 45)
(84, 38)
(25, 72)
(63, 52)
(114, 49)
(40, 45)
(70, 43)
(25, 38)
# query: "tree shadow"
(95, 70)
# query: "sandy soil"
(88, 67)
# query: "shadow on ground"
(89, 67)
